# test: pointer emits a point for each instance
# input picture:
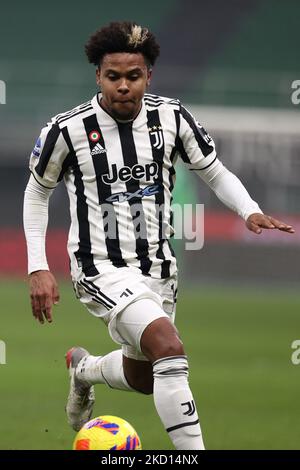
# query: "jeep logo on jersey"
(137, 172)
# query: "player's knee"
(160, 339)
(163, 347)
(170, 348)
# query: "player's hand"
(43, 294)
(256, 222)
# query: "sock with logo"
(175, 404)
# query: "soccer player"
(116, 155)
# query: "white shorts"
(127, 302)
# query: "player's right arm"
(46, 162)
(42, 284)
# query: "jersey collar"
(105, 117)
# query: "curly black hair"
(125, 36)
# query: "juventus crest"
(156, 136)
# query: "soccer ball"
(107, 433)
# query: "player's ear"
(149, 75)
(98, 80)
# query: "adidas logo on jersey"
(97, 150)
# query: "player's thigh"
(108, 294)
(139, 316)
(132, 322)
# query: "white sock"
(175, 404)
(106, 369)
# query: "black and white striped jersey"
(119, 178)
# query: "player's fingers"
(55, 295)
(266, 222)
(253, 226)
(256, 222)
(36, 307)
(282, 226)
(48, 309)
(288, 229)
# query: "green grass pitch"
(241, 374)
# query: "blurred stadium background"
(232, 63)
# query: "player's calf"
(139, 375)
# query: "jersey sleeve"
(47, 159)
(196, 147)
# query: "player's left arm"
(198, 152)
(231, 191)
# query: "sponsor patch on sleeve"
(36, 152)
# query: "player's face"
(123, 78)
